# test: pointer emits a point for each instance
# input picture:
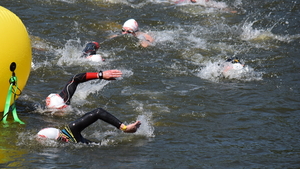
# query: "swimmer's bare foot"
(131, 128)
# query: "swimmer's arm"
(144, 43)
(148, 40)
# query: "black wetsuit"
(73, 130)
(71, 86)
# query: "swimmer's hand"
(130, 128)
(111, 74)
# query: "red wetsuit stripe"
(92, 75)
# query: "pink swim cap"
(131, 24)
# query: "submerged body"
(232, 64)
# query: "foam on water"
(203, 7)
(114, 136)
(146, 129)
(212, 4)
(209, 4)
(71, 52)
(40, 45)
(255, 34)
(36, 65)
(93, 87)
(214, 72)
(67, 55)
(70, 110)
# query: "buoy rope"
(12, 91)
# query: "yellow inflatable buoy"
(14, 47)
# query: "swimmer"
(131, 27)
(72, 131)
(90, 50)
(62, 100)
(232, 64)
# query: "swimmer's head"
(233, 60)
(130, 26)
(54, 101)
(49, 133)
(91, 48)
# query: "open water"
(192, 117)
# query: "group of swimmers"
(72, 131)
(130, 27)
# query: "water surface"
(192, 117)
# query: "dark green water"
(191, 116)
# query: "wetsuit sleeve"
(71, 86)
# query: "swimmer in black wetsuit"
(72, 131)
(62, 100)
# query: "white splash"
(146, 128)
(255, 34)
(84, 90)
(215, 71)
(71, 52)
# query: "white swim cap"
(54, 101)
(131, 24)
(51, 133)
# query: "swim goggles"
(127, 31)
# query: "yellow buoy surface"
(14, 47)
